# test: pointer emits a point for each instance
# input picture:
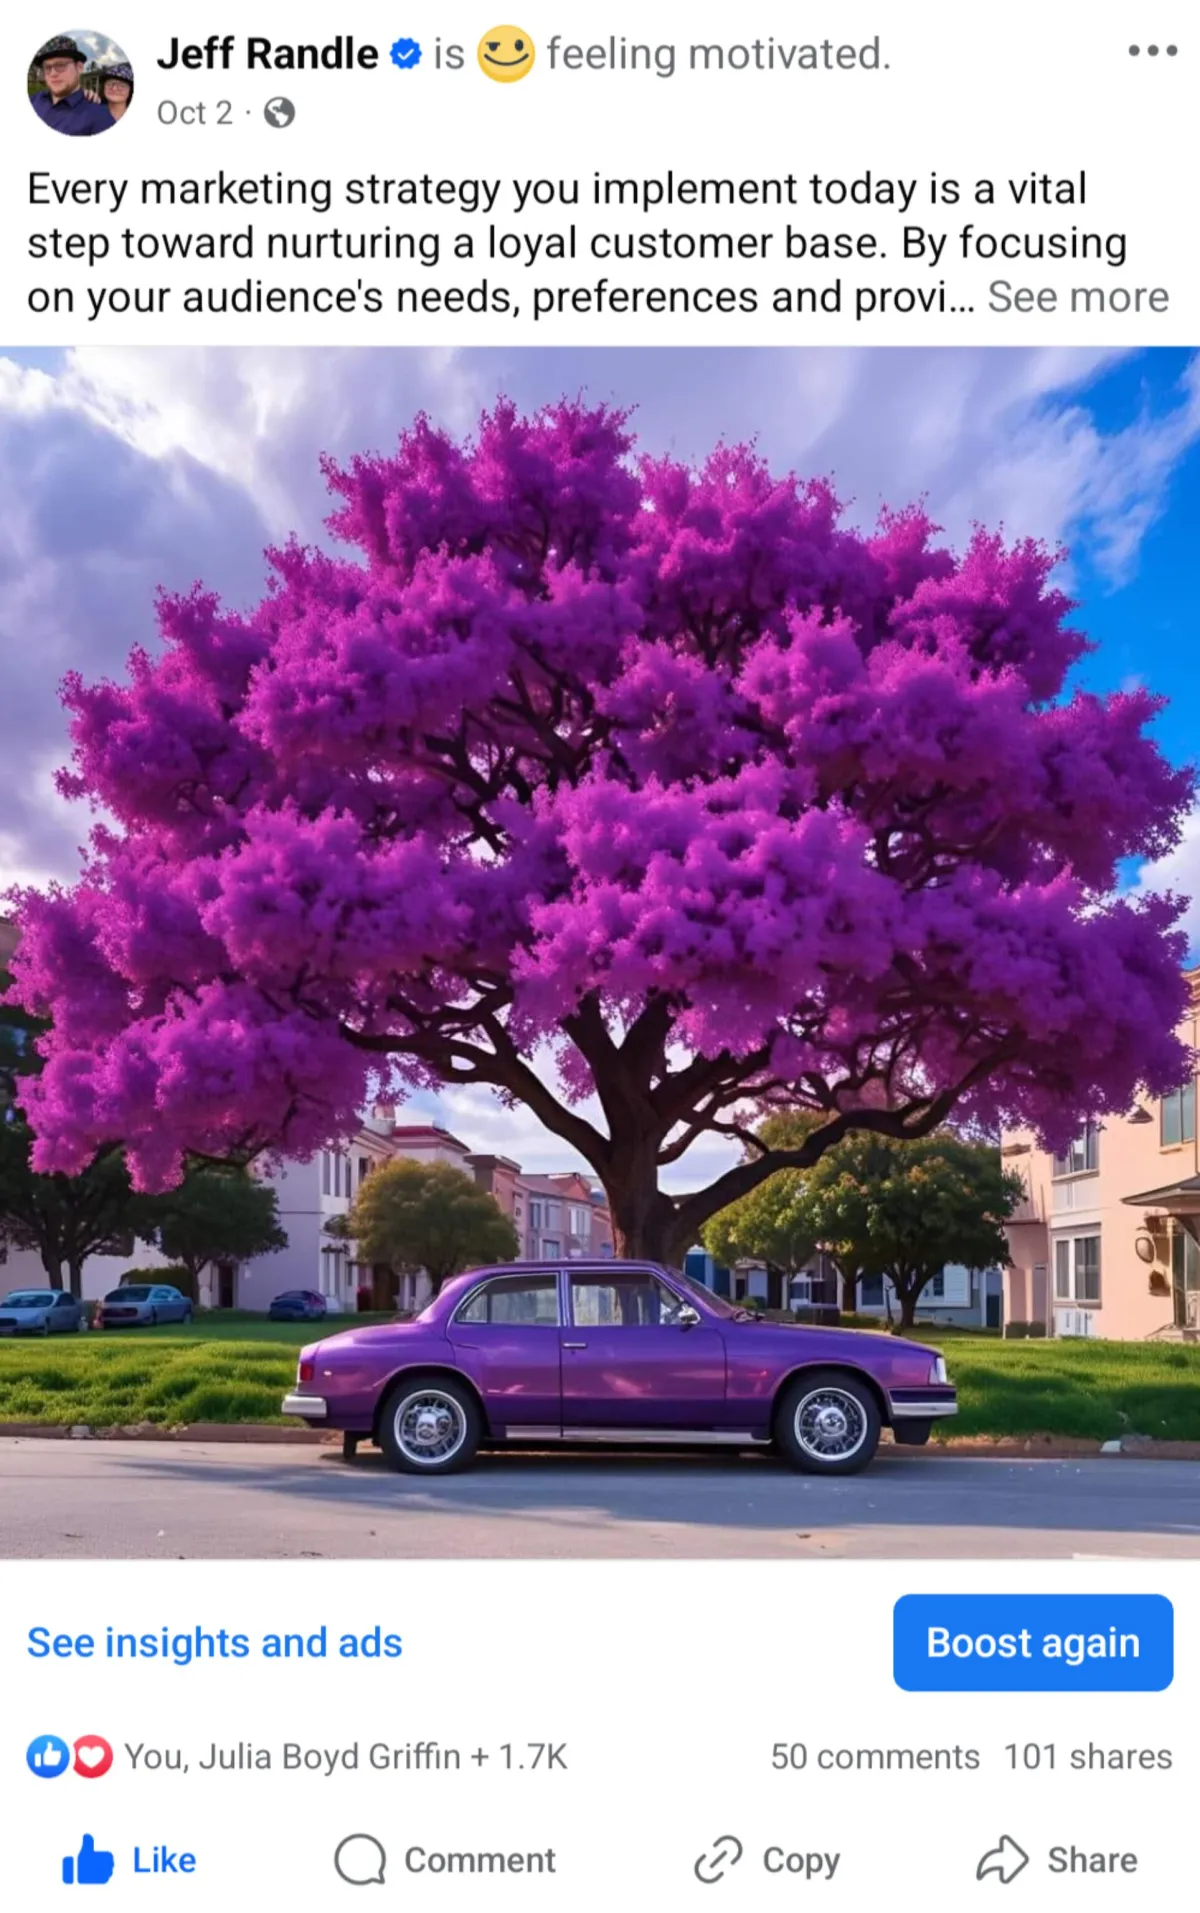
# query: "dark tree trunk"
(645, 1222)
(849, 1291)
(909, 1290)
(75, 1273)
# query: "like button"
(94, 1867)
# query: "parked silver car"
(142, 1304)
(40, 1312)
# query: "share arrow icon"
(1006, 1860)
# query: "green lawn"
(1100, 1389)
(221, 1367)
(237, 1367)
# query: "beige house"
(1107, 1241)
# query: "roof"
(1187, 1189)
(425, 1132)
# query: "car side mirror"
(688, 1317)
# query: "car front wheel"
(827, 1423)
(430, 1427)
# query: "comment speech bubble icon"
(360, 1860)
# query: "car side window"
(65, 1302)
(610, 1300)
(515, 1301)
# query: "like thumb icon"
(94, 1866)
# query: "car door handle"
(574, 1344)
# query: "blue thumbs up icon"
(94, 1867)
(47, 1756)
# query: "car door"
(637, 1355)
(505, 1334)
(64, 1315)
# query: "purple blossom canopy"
(666, 771)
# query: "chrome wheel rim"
(430, 1427)
(830, 1424)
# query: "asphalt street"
(191, 1500)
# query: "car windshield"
(29, 1299)
(128, 1295)
(719, 1304)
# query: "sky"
(122, 470)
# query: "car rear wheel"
(430, 1426)
(827, 1423)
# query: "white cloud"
(1179, 872)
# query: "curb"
(962, 1447)
(1063, 1448)
(210, 1431)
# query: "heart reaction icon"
(93, 1756)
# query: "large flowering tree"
(597, 777)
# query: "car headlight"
(937, 1373)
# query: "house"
(958, 1297)
(568, 1217)
(1107, 1239)
(501, 1177)
(308, 1196)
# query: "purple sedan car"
(619, 1352)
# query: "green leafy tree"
(63, 1219)
(414, 1215)
(66, 1219)
(772, 1224)
(215, 1215)
(904, 1210)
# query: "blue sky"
(120, 470)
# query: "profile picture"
(80, 83)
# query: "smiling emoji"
(506, 54)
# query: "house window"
(1077, 1268)
(326, 1173)
(1083, 1157)
(1177, 1115)
(936, 1289)
(870, 1292)
(551, 1249)
(535, 1215)
(364, 1169)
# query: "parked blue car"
(142, 1304)
(40, 1312)
(297, 1305)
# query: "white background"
(670, 1683)
(968, 92)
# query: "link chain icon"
(712, 1866)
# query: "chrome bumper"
(308, 1407)
(916, 1410)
